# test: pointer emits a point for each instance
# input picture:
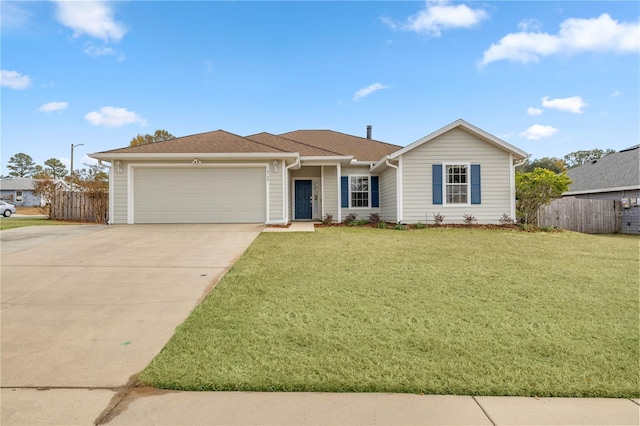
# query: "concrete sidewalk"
(142, 406)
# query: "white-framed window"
(18, 195)
(456, 183)
(359, 191)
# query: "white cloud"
(368, 90)
(530, 24)
(601, 34)
(538, 131)
(14, 80)
(573, 104)
(94, 18)
(534, 111)
(114, 117)
(95, 51)
(438, 16)
(616, 93)
(53, 106)
(14, 15)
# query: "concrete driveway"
(90, 306)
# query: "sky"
(549, 77)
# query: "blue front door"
(303, 199)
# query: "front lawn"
(436, 311)
(19, 222)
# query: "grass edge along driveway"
(435, 311)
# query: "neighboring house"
(19, 192)
(613, 177)
(220, 177)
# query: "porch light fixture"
(118, 167)
(275, 166)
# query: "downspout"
(111, 191)
(513, 184)
(398, 183)
(286, 192)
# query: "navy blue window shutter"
(375, 193)
(344, 191)
(475, 184)
(437, 183)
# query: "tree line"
(21, 165)
(569, 161)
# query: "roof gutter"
(600, 190)
(109, 156)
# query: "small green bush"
(419, 225)
(399, 227)
(349, 219)
(381, 225)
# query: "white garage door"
(200, 195)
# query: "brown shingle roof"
(218, 141)
(305, 150)
(362, 149)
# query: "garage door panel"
(205, 195)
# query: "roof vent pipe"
(369, 131)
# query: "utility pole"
(71, 171)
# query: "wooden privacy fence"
(80, 206)
(582, 215)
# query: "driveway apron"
(91, 306)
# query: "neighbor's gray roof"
(613, 172)
(20, 184)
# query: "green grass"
(436, 311)
(19, 222)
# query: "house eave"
(326, 160)
(601, 190)
(108, 157)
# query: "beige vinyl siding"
(456, 145)
(276, 193)
(388, 195)
(361, 212)
(306, 172)
(120, 194)
(330, 185)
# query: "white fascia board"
(600, 190)
(191, 155)
(326, 160)
(361, 163)
(470, 128)
(380, 165)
